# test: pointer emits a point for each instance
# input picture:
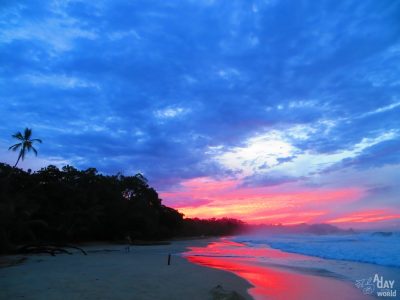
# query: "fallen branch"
(51, 249)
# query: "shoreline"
(110, 272)
(198, 267)
(276, 274)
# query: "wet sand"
(275, 274)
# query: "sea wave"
(379, 248)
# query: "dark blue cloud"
(268, 180)
(94, 80)
(385, 153)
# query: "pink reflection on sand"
(271, 282)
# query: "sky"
(270, 111)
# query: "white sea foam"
(377, 248)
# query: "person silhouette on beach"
(129, 241)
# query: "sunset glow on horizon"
(257, 205)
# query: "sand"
(216, 266)
(142, 273)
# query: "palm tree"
(25, 144)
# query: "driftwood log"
(51, 249)
(219, 293)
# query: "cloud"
(257, 203)
(168, 113)
(268, 179)
(382, 109)
(118, 35)
(387, 152)
(367, 217)
(59, 81)
(59, 31)
(258, 151)
(147, 86)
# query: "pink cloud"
(205, 197)
(368, 216)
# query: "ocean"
(381, 248)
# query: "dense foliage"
(70, 205)
(211, 227)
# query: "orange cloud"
(366, 217)
(206, 198)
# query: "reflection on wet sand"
(272, 281)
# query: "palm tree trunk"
(19, 157)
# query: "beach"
(110, 272)
(276, 274)
(197, 268)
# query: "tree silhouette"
(25, 144)
(68, 205)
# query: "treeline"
(211, 227)
(70, 205)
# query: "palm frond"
(27, 133)
(18, 136)
(34, 150)
(15, 147)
